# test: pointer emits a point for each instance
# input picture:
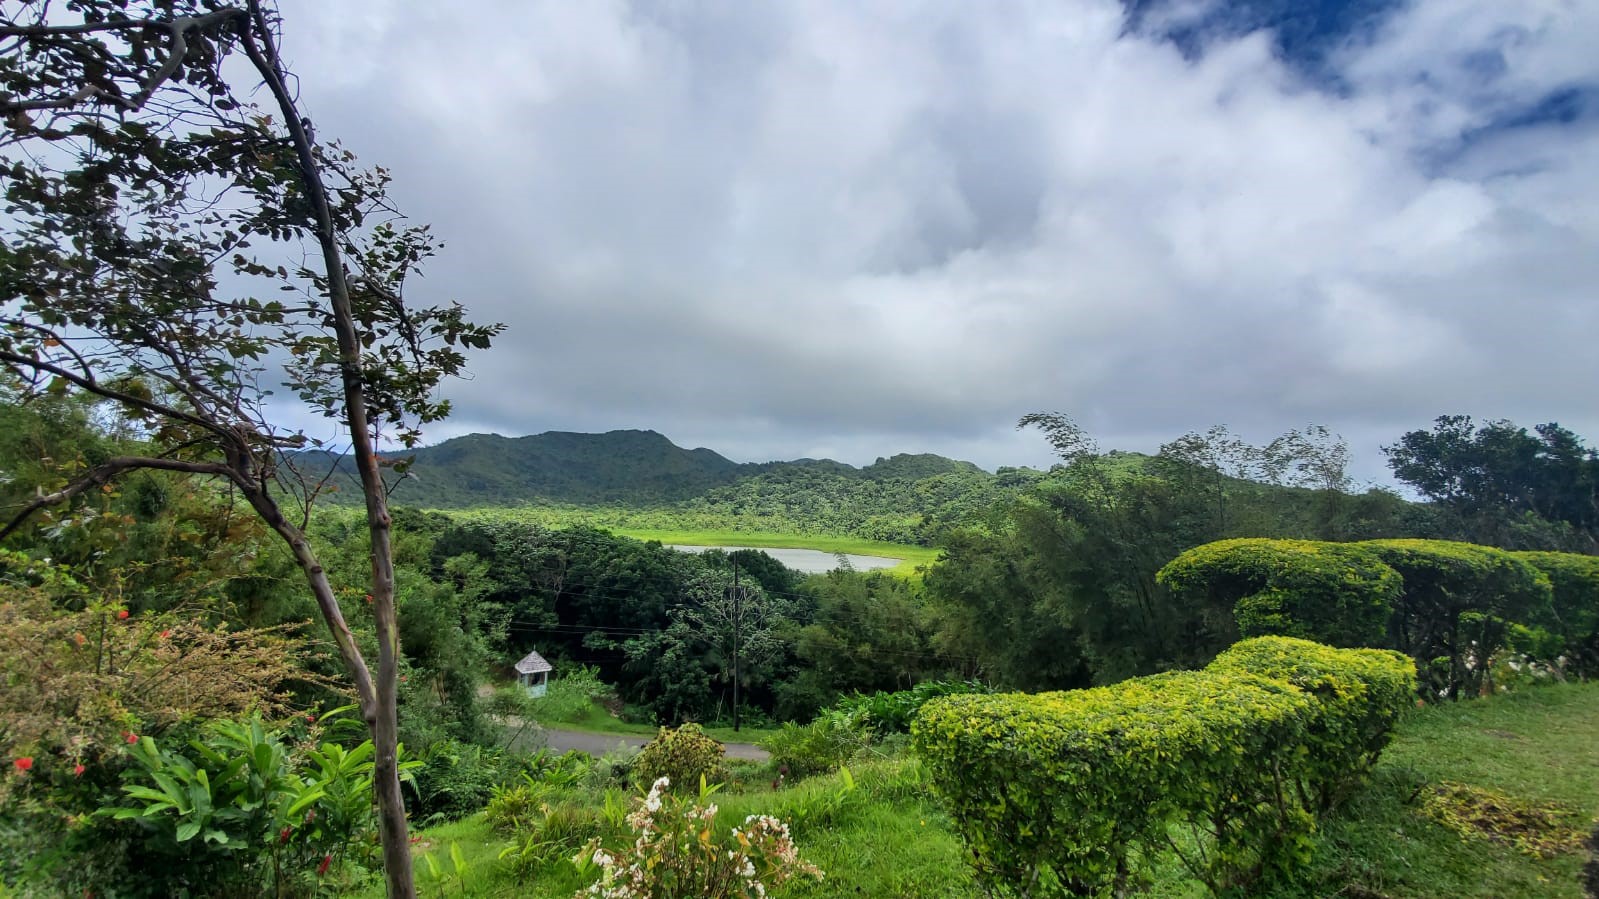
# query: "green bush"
(249, 813)
(1574, 611)
(455, 780)
(569, 698)
(684, 755)
(1359, 696)
(1054, 792)
(1458, 604)
(889, 713)
(1333, 593)
(803, 750)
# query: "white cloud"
(787, 226)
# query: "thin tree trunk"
(381, 716)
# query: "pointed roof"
(533, 664)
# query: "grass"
(889, 838)
(911, 557)
(596, 719)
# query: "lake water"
(810, 561)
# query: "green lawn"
(596, 719)
(888, 838)
(912, 556)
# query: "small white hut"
(533, 673)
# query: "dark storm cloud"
(857, 229)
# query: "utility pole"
(738, 625)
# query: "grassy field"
(888, 838)
(911, 556)
(596, 719)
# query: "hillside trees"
(150, 207)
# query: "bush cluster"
(683, 755)
(1459, 610)
(1057, 793)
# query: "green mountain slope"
(629, 468)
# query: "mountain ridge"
(624, 466)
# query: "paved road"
(599, 744)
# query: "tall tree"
(1506, 485)
(150, 207)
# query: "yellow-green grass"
(911, 557)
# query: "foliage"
(75, 681)
(456, 779)
(551, 830)
(570, 696)
(1504, 486)
(679, 854)
(1574, 620)
(1053, 792)
(1456, 607)
(1359, 698)
(248, 812)
(685, 755)
(150, 203)
(1543, 830)
(803, 750)
(1329, 592)
(893, 712)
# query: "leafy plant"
(248, 811)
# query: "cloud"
(803, 228)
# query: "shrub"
(1574, 612)
(1329, 592)
(684, 755)
(549, 831)
(1457, 605)
(679, 854)
(889, 713)
(1359, 696)
(815, 748)
(456, 780)
(1052, 792)
(251, 814)
(570, 697)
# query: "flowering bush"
(679, 855)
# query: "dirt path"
(599, 744)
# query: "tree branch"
(103, 474)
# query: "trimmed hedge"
(1057, 793)
(1360, 695)
(1458, 603)
(1329, 592)
(1574, 612)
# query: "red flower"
(369, 599)
(165, 634)
(323, 868)
(23, 764)
(130, 736)
(310, 719)
(122, 614)
(283, 835)
(78, 769)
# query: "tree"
(149, 203)
(1507, 487)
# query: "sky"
(848, 230)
